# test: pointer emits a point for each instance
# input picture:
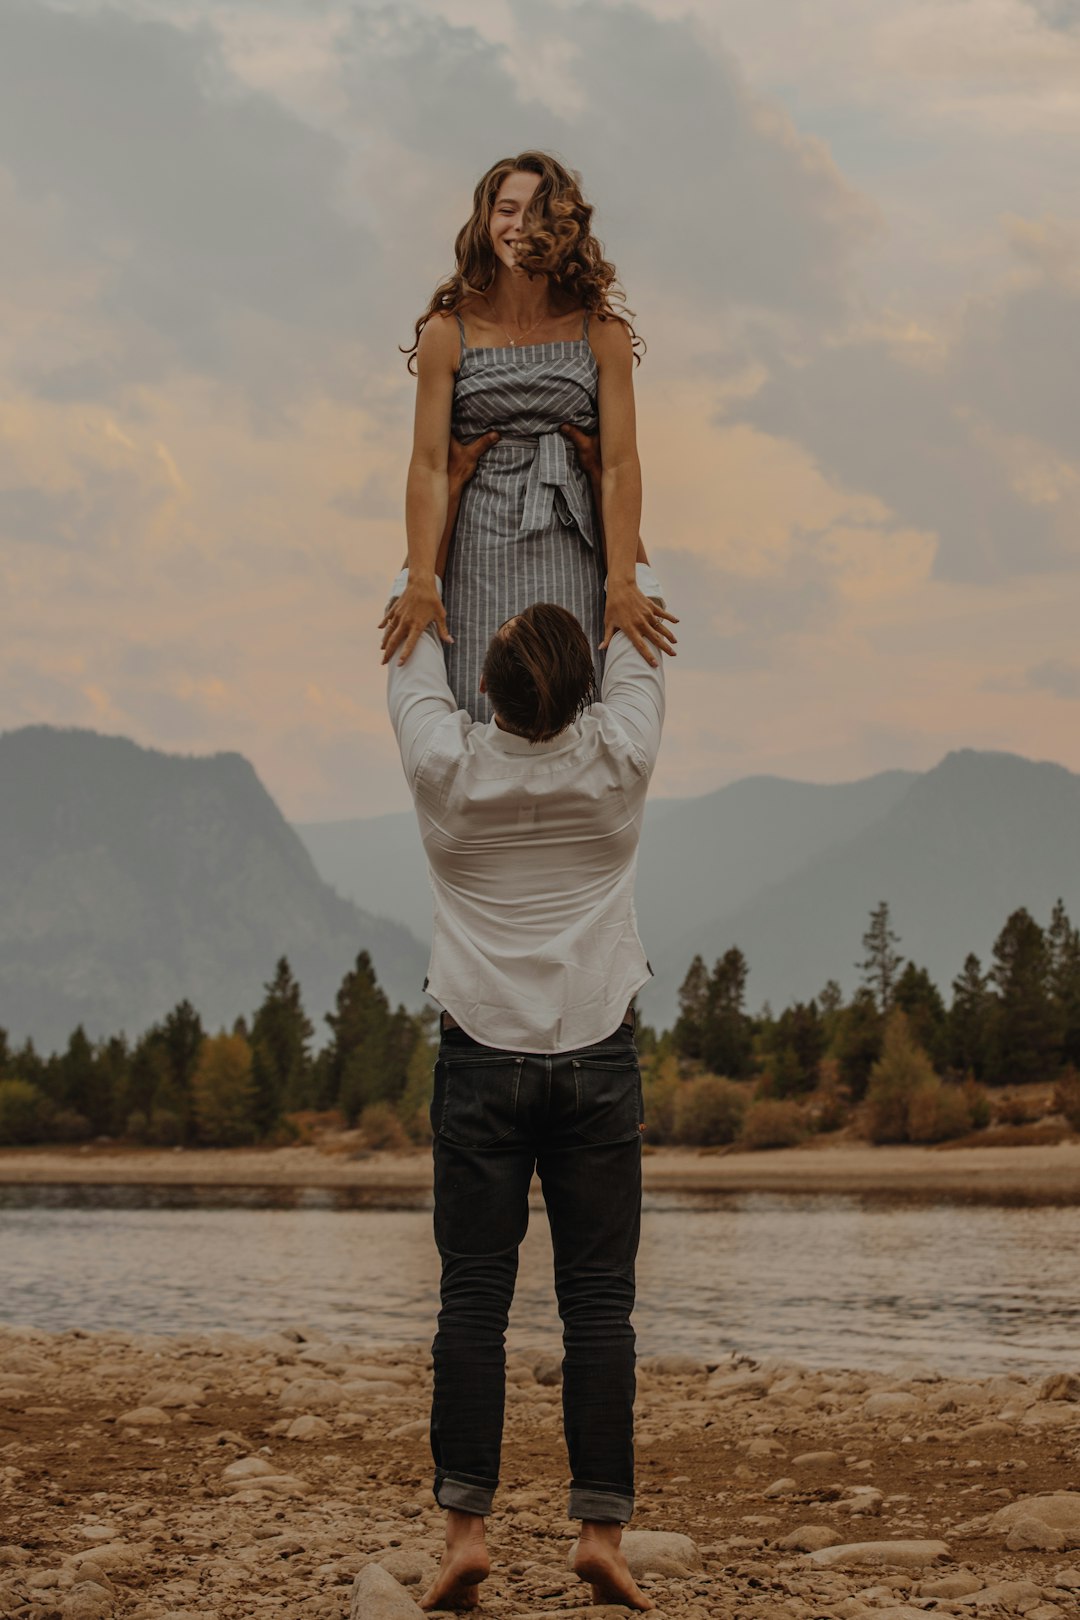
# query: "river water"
(824, 1280)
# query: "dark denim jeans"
(576, 1117)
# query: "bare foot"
(599, 1560)
(465, 1563)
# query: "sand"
(211, 1477)
(1044, 1172)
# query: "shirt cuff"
(398, 587)
(649, 582)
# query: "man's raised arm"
(632, 688)
(417, 693)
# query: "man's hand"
(587, 446)
(409, 615)
(628, 609)
(463, 459)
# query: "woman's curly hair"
(556, 242)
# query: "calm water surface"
(824, 1280)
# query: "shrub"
(708, 1111)
(306, 1125)
(137, 1126)
(222, 1091)
(1019, 1110)
(771, 1123)
(660, 1087)
(1067, 1097)
(68, 1125)
(382, 1128)
(900, 1071)
(978, 1103)
(937, 1111)
(417, 1125)
(23, 1112)
(166, 1128)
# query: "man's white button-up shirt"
(532, 850)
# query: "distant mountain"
(789, 871)
(966, 844)
(130, 879)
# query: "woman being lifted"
(522, 356)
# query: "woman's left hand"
(639, 617)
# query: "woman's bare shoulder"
(609, 336)
(440, 340)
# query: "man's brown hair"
(539, 672)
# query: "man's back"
(532, 849)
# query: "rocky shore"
(1038, 1172)
(211, 1477)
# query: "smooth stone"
(1012, 1596)
(676, 1366)
(325, 1355)
(657, 1552)
(1068, 1578)
(276, 1484)
(308, 1427)
(144, 1417)
(816, 1460)
(809, 1538)
(780, 1487)
(415, 1429)
(895, 1554)
(310, 1392)
(861, 1499)
(889, 1403)
(1051, 1414)
(547, 1370)
(176, 1394)
(1062, 1386)
(116, 1557)
(1040, 1537)
(248, 1468)
(377, 1596)
(1060, 1510)
(961, 1583)
(408, 1565)
(362, 1389)
(87, 1601)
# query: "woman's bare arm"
(426, 491)
(628, 609)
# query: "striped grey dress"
(526, 530)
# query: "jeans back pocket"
(609, 1106)
(475, 1099)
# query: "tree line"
(1017, 1021)
(179, 1085)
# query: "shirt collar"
(508, 742)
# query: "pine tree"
(281, 1036)
(969, 1019)
(858, 1041)
(918, 996)
(1063, 978)
(364, 1062)
(882, 963)
(727, 1046)
(84, 1083)
(1025, 1033)
(799, 1044)
(689, 1033)
(180, 1040)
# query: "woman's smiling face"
(512, 199)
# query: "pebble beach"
(214, 1476)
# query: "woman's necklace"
(513, 342)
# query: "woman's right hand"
(409, 615)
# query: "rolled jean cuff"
(604, 1507)
(465, 1495)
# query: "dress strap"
(585, 328)
(461, 329)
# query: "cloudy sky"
(851, 234)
